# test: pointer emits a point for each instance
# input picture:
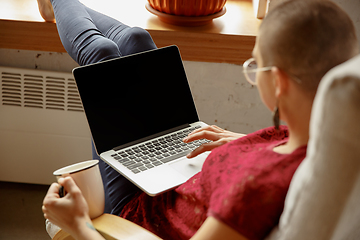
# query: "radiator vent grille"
(39, 89)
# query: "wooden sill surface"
(229, 38)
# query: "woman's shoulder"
(270, 133)
(266, 136)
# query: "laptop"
(139, 108)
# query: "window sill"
(229, 38)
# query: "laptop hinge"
(151, 137)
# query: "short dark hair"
(306, 38)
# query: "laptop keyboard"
(157, 152)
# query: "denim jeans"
(90, 37)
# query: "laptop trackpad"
(189, 167)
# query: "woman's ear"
(280, 81)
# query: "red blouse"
(242, 183)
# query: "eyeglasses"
(250, 69)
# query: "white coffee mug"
(87, 177)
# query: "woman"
(240, 192)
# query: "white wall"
(352, 8)
(221, 93)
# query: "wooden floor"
(21, 217)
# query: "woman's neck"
(298, 120)
(292, 144)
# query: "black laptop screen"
(130, 98)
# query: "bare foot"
(46, 10)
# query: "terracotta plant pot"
(188, 8)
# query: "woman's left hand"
(217, 135)
(69, 212)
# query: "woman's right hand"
(217, 135)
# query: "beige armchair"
(324, 195)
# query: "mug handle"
(62, 192)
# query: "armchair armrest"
(113, 227)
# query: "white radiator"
(42, 125)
